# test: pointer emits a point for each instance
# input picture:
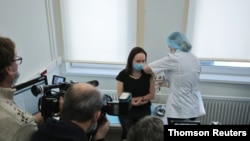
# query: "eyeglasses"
(18, 60)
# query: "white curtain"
(219, 29)
(98, 30)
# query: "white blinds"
(220, 29)
(98, 30)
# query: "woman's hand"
(137, 101)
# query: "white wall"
(26, 22)
(162, 17)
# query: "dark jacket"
(54, 130)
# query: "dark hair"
(131, 56)
(7, 54)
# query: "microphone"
(94, 83)
(36, 90)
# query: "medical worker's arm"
(147, 69)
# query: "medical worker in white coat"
(182, 70)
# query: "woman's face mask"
(138, 66)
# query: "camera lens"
(36, 90)
(106, 99)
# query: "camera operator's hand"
(61, 103)
(39, 118)
(102, 130)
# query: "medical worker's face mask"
(138, 66)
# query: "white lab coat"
(182, 70)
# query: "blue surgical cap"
(179, 41)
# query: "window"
(100, 34)
(218, 31)
(98, 31)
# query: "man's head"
(82, 103)
(148, 128)
(9, 62)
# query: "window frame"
(225, 74)
(209, 73)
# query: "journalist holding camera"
(80, 108)
(79, 117)
(15, 124)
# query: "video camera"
(48, 104)
(115, 108)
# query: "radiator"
(226, 110)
